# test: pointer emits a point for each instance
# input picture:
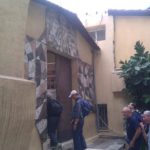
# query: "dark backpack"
(86, 107)
(54, 108)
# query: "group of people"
(137, 124)
(54, 110)
(137, 128)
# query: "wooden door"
(63, 88)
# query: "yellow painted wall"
(35, 143)
(13, 15)
(85, 55)
(90, 129)
(17, 113)
(36, 20)
(84, 49)
(108, 85)
(17, 109)
(128, 30)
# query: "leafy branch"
(136, 74)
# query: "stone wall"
(36, 70)
(86, 80)
(61, 36)
(58, 35)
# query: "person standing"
(77, 122)
(146, 120)
(54, 110)
(135, 111)
(133, 129)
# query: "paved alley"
(106, 144)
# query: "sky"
(90, 7)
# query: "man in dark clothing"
(135, 111)
(77, 122)
(54, 110)
(133, 129)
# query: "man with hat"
(77, 122)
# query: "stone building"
(59, 57)
(44, 49)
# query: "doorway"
(59, 86)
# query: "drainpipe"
(114, 41)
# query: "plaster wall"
(36, 20)
(13, 15)
(90, 129)
(35, 143)
(16, 94)
(128, 30)
(17, 113)
(84, 49)
(108, 84)
(85, 54)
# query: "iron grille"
(102, 116)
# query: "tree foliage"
(136, 74)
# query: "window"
(102, 116)
(51, 71)
(98, 33)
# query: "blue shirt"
(131, 126)
(137, 116)
(77, 111)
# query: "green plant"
(136, 74)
